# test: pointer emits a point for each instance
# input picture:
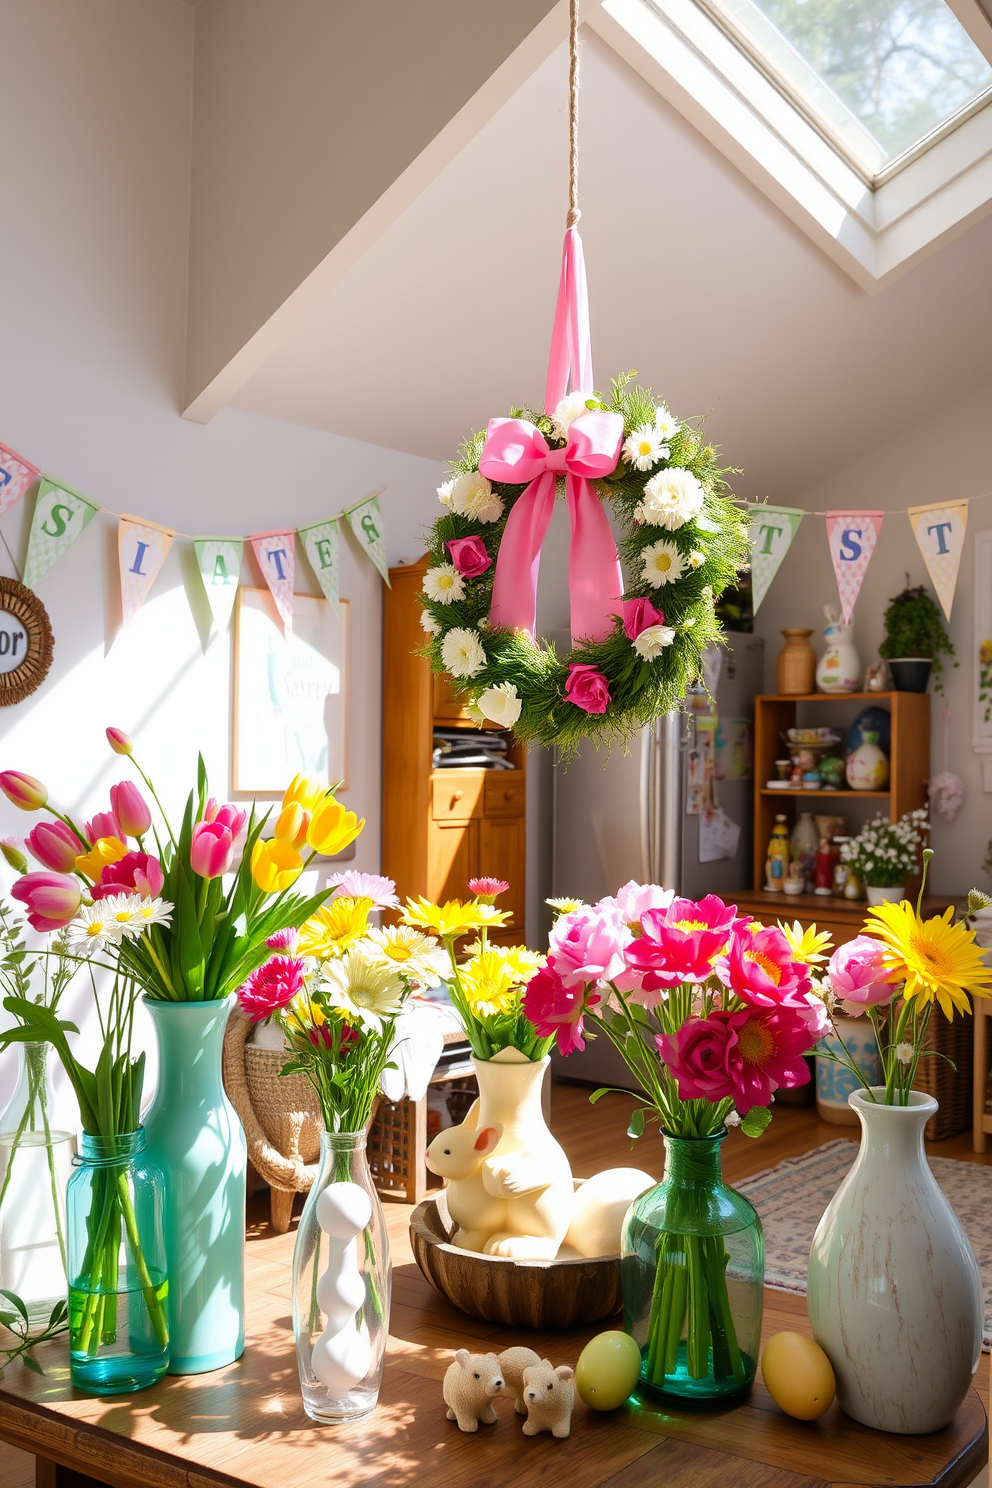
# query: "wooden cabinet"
(441, 827)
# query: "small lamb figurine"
(513, 1362)
(549, 1396)
(471, 1384)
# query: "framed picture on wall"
(983, 648)
(290, 693)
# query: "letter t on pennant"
(275, 553)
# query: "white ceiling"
(696, 280)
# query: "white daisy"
(653, 640)
(571, 407)
(671, 498)
(363, 988)
(904, 1053)
(472, 496)
(444, 583)
(444, 492)
(462, 653)
(707, 591)
(663, 564)
(696, 558)
(402, 949)
(644, 448)
(475, 713)
(429, 624)
(92, 930)
(501, 704)
(664, 422)
(152, 912)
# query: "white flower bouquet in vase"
(885, 854)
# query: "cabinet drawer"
(457, 795)
(506, 793)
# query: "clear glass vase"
(118, 1286)
(35, 1163)
(341, 1285)
(692, 1275)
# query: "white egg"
(341, 1360)
(600, 1206)
(343, 1210)
(341, 1288)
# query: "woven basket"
(287, 1108)
(951, 1087)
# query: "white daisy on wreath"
(571, 407)
(671, 498)
(429, 624)
(644, 448)
(462, 652)
(472, 495)
(444, 492)
(444, 584)
(663, 564)
(653, 640)
(665, 422)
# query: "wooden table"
(245, 1424)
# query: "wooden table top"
(246, 1425)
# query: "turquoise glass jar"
(115, 1255)
(195, 1137)
(692, 1273)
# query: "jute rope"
(573, 114)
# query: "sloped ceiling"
(696, 280)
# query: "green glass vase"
(692, 1273)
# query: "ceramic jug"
(839, 668)
(796, 664)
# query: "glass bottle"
(35, 1163)
(341, 1285)
(118, 1287)
(692, 1275)
(777, 861)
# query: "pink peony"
(761, 968)
(231, 817)
(555, 1008)
(469, 556)
(679, 944)
(858, 976)
(587, 947)
(271, 986)
(130, 809)
(55, 845)
(743, 1056)
(51, 899)
(355, 885)
(638, 615)
(633, 900)
(136, 873)
(587, 688)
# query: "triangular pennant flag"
(60, 515)
(320, 543)
(771, 532)
(142, 547)
(852, 536)
(939, 531)
(365, 521)
(219, 562)
(16, 474)
(276, 555)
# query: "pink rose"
(587, 688)
(638, 615)
(743, 1056)
(469, 556)
(587, 947)
(554, 1008)
(635, 899)
(858, 975)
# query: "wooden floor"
(595, 1138)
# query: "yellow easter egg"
(798, 1375)
(608, 1369)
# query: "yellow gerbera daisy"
(453, 918)
(937, 958)
(489, 983)
(811, 946)
(334, 928)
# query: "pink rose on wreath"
(136, 873)
(761, 968)
(587, 947)
(638, 615)
(469, 556)
(587, 688)
(679, 944)
(858, 976)
(271, 986)
(554, 1008)
(743, 1056)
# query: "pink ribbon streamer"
(516, 452)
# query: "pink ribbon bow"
(516, 452)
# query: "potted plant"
(915, 640)
(884, 854)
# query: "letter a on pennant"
(939, 531)
(771, 532)
(142, 547)
(320, 543)
(16, 474)
(219, 562)
(60, 515)
(852, 536)
(365, 521)
(276, 555)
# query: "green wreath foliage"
(713, 546)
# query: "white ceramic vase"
(891, 895)
(894, 1291)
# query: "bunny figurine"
(457, 1156)
(839, 668)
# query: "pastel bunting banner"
(142, 548)
(276, 555)
(16, 475)
(939, 532)
(771, 532)
(321, 544)
(852, 536)
(60, 516)
(219, 562)
(365, 521)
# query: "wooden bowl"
(532, 1294)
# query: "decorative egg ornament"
(608, 1369)
(798, 1376)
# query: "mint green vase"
(193, 1134)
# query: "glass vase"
(118, 1287)
(692, 1274)
(341, 1285)
(35, 1163)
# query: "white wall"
(94, 157)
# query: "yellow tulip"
(302, 791)
(105, 850)
(332, 828)
(291, 824)
(275, 865)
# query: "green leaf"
(58, 1315)
(15, 1301)
(31, 1363)
(756, 1120)
(636, 1126)
(603, 1090)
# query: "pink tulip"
(858, 976)
(23, 790)
(135, 873)
(119, 741)
(55, 845)
(130, 808)
(211, 850)
(51, 899)
(104, 824)
(231, 817)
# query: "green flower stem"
(140, 1265)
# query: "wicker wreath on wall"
(26, 642)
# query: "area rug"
(791, 1197)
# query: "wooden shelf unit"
(441, 827)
